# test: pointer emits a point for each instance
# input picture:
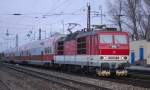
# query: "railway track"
(69, 84)
(130, 81)
(140, 74)
(133, 78)
(142, 80)
(4, 86)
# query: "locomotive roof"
(86, 33)
(92, 32)
(72, 36)
(77, 34)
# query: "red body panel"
(37, 57)
(120, 49)
(70, 47)
(48, 57)
(114, 52)
(92, 47)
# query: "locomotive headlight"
(102, 57)
(124, 57)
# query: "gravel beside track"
(140, 74)
(3, 86)
(92, 81)
(14, 80)
(69, 84)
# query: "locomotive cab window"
(120, 39)
(105, 39)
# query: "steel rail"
(5, 85)
(67, 83)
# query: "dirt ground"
(19, 81)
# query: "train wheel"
(121, 73)
(125, 72)
(103, 73)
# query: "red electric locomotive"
(104, 51)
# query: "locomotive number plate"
(113, 57)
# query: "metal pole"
(45, 34)
(16, 40)
(1, 47)
(88, 17)
(101, 16)
(63, 25)
(34, 35)
(40, 34)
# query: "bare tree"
(132, 16)
(115, 10)
(131, 8)
(146, 20)
(136, 17)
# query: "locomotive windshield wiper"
(104, 41)
(117, 40)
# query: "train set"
(103, 51)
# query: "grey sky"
(32, 17)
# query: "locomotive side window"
(106, 38)
(120, 39)
(81, 45)
(60, 48)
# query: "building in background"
(140, 52)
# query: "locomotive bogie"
(121, 72)
(104, 73)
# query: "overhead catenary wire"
(24, 26)
(59, 5)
